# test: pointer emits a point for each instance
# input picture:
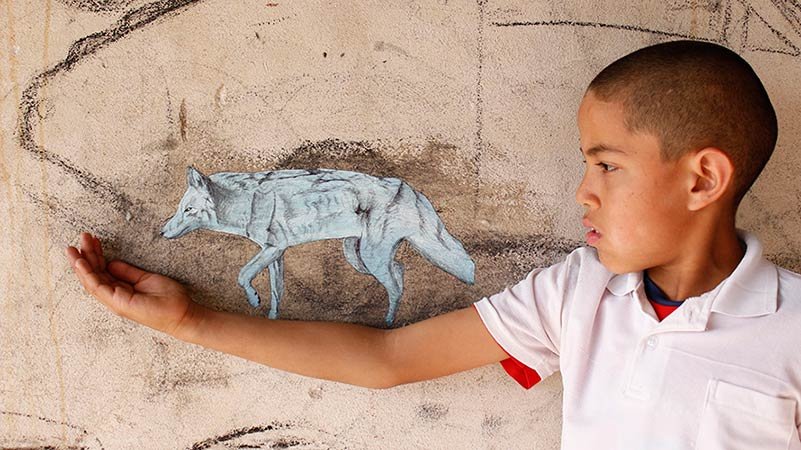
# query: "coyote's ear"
(196, 179)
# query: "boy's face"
(635, 201)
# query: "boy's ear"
(711, 177)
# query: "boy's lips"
(592, 236)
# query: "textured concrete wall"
(105, 103)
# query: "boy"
(673, 135)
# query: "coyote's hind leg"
(264, 258)
(380, 261)
(276, 284)
(351, 247)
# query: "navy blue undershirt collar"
(655, 294)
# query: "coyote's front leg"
(264, 258)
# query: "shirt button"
(651, 342)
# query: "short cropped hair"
(692, 95)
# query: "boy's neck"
(707, 259)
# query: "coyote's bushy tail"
(433, 241)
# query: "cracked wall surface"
(105, 103)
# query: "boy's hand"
(151, 299)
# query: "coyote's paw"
(253, 299)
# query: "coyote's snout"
(282, 208)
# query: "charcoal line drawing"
(39, 431)
(282, 208)
(782, 18)
(80, 50)
(277, 434)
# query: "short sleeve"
(525, 320)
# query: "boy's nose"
(584, 195)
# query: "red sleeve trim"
(523, 374)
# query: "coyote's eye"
(189, 209)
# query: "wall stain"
(166, 374)
(50, 294)
(220, 94)
(274, 435)
(381, 46)
(64, 213)
(316, 393)
(492, 424)
(479, 135)
(273, 22)
(432, 411)
(12, 284)
(98, 6)
(359, 156)
(182, 119)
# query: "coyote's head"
(196, 209)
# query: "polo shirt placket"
(648, 365)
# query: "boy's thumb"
(125, 272)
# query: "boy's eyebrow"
(600, 148)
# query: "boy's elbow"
(392, 364)
(385, 374)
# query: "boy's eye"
(607, 167)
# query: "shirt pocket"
(735, 417)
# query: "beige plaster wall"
(105, 103)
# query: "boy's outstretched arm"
(348, 353)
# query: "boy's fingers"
(88, 249)
(96, 287)
(72, 254)
(101, 260)
(92, 283)
(125, 272)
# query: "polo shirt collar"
(625, 283)
(750, 290)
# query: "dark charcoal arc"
(273, 435)
(58, 424)
(98, 6)
(82, 48)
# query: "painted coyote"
(281, 208)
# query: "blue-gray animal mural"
(281, 208)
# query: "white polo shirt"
(723, 371)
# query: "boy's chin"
(614, 265)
